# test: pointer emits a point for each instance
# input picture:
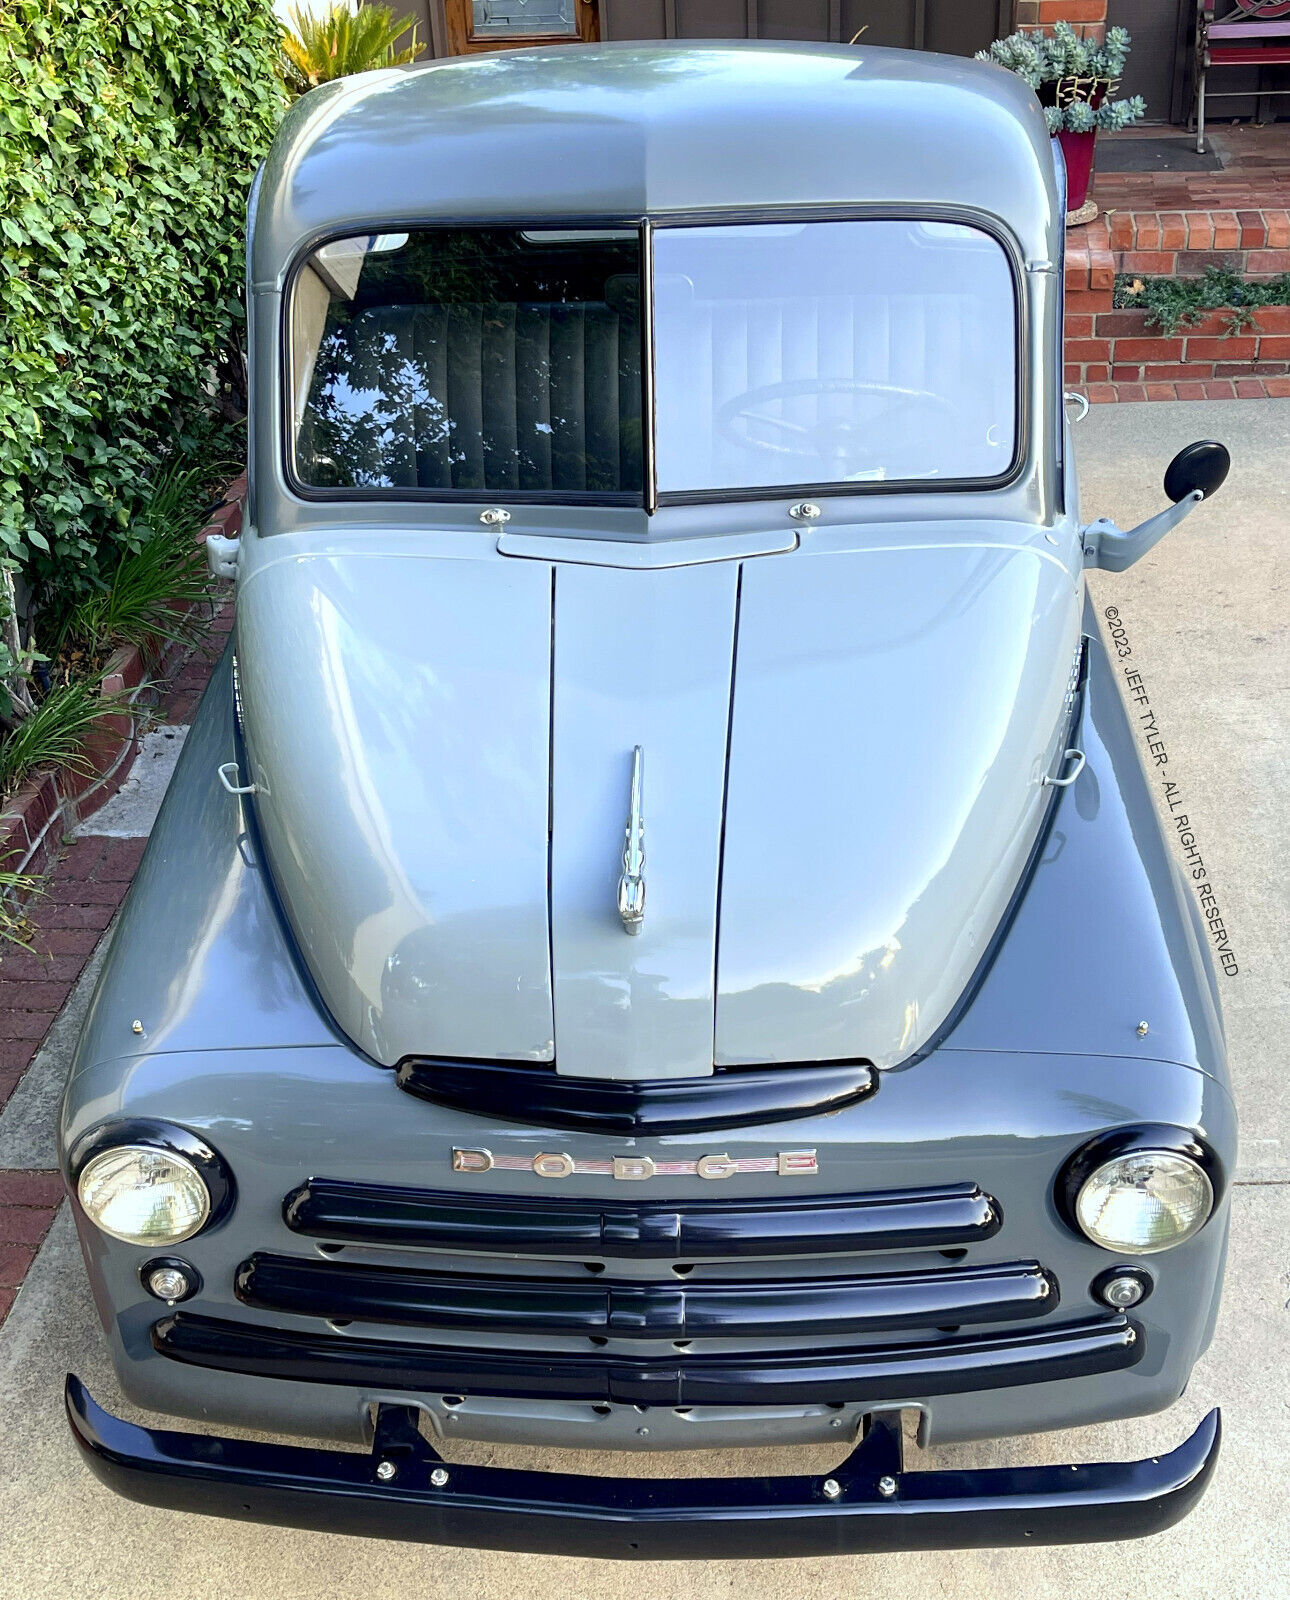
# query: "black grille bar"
(877, 1373)
(792, 1308)
(518, 1225)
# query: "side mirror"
(1195, 473)
(1203, 465)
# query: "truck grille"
(481, 1295)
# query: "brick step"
(1254, 242)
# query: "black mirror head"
(1203, 465)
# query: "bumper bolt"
(832, 1488)
(886, 1487)
(1144, 1028)
(386, 1471)
(439, 1477)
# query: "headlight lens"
(144, 1195)
(1144, 1201)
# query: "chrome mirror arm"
(1113, 549)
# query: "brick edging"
(1114, 354)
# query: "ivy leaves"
(129, 133)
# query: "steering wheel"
(832, 438)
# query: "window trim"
(652, 499)
(831, 488)
(312, 494)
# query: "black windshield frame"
(651, 500)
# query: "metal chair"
(1237, 33)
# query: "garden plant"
(129, 134)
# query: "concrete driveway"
(1208, 616)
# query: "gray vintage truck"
(659, 936)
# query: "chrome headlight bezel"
(148, 1134)
(1143, 1139)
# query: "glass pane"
(516, 19)
(486, 359)
(832, 352)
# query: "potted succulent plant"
(1074, 79)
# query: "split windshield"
(454, 362)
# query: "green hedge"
(129, 133)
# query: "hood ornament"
(631, 886)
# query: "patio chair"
(1237, 33)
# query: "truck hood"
(842, 760)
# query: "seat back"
(521, 397)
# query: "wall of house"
(1087, 17)
(958, 27)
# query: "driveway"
(1207, 613)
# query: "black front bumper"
(869, 1503)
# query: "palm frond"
(343, 41)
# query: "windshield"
(462, 361)
(470, 360)
(824, 353)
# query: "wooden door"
(475, 25)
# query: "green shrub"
(1173, 303)
(129, 134)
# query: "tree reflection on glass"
(479, 359)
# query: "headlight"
(1144, 1200)
(144, 1195)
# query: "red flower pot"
(1078, 151)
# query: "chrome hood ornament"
(631, 886)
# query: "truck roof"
(631, 130)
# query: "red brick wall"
(1181, 244)
(1114, 355)
(1087, 17)
(1118, 350)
